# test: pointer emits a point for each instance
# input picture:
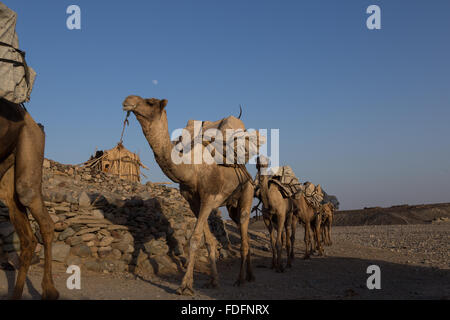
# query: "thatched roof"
(118, 161)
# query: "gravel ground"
(414, 262)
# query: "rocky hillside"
(402, 214)
(106, 224)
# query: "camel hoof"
(15, 296)
(306, 257)
(280, 270)
(185, 291)
(50, 294)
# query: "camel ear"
(163, 104)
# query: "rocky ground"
(105, 224)
(414, 262)
(130, 241)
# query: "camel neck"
(157, 135)
(264, 187)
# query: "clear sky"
(366, 113)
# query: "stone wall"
(105, 224)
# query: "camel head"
(150, 109)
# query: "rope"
(125, 123)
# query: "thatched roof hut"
(118, 161)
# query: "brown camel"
(306, 214)
(21, 157)
(327, 212)
(205, 186)
(277, 216)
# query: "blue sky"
(363, 112)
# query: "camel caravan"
(220, 179)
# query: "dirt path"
(414, 262)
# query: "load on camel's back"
(224, 142)
(16, 77)
(291, 187)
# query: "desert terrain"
(414, 262)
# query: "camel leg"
(279, 245)
(28, 181)
(328, 230)
(317, 235)
(28, 244)
(186, 287)
(324, 235)
(307, 240)
(245, 205)
(269, 225)
(288, 231)
(211, 246)
(17, 214)
(293, 231)
(243, 227)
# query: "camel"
(305, 213)
(21, 156)
(277, 215)
(205, 187)
(327, 212)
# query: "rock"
(87, 230)
(127, 257)
(90, 243)
(46, 164)
(163, 264)
(155, 247)
(60, 251)
(104, 251)
(61, 209)
(73, 241)
(97, 214)
(93, 266)
(88, 237)
(9, 247)
(84, 201)
(115, 254)
(113, 265)
(12, 238)
(123, 247)
(68, 232)
(128, 238)
(73, 260)
(6, 229)
(81, 250)
(117, 227)
(106, 241)
(61, 226)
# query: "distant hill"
(401, 214)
